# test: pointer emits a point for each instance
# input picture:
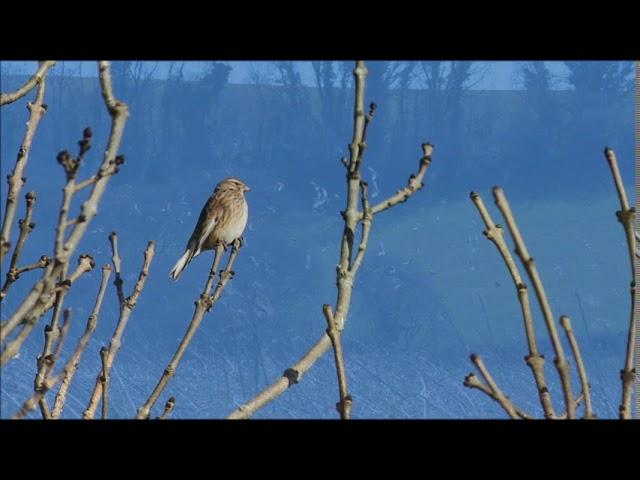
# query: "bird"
(222, 221)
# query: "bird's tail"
(181, 264)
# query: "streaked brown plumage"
(222, 219)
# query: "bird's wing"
(204, 227)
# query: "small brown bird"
(222, 219)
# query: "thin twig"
(49, 337)
(17, 179)
(496, 393)
(18, 316)
(349, 264)
(626, 217)
(168, 408)
(367, 219)
(560, 360)
(71, 167)
(575, 348)
(472, 381)
(104, 379)
(534, 360)
(88, 182)
(346, 401)
(42, 263)
(290, 377)
(42, 289)
(579, 400)
(26, 226)
(126, 307)
(414, 183)
(30, 404)
(204, 304)
(36, 79)
(74, 361)
(14, 274)
(43, 304)
(117, 264)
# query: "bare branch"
(43, 288)
(30, 404)
(115, 258)
(414, 184)
(348, 266)
(14, 273)
(126, 307)
(535, 360)
(471, 381)
(42, 263)
(119, 112)
(42, 305)
(367, 218)
(17, 179)
(168, 408)
(36, 79)
(104, 380)
(71, 166)
(290, 377)
(626, 217)
(74, 361)
(492, 389)
(94, 178)
(521, 250)
(579, 400)
(575, 348)
(203, 305)
(26, 226)
(346, 401)
(50, 335)
(17, 317)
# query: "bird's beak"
(246, 188)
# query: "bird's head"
(233, 184)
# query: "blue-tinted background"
(431, 290)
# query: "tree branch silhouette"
(72, 364)
(42, 306)
(626, 217)
(490, 387)
(204, 304)
(26, 227)
(127, 305)
(54, 280)
(534, 360)
(50, 361)
(16, 179)
(349, 264)
(36, 79)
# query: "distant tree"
(537, 81)
(601, 77)
(331, 79)
(536, 77)
(289, 77)
(135, 79)
(215, 77)
(445, 83)
(440, 103)
(206, 102)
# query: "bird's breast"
(236, 225)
